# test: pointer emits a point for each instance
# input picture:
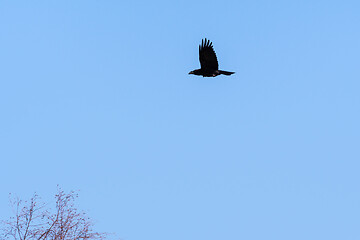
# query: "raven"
(208, 61)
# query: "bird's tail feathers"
(225, 72)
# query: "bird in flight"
(208, 61)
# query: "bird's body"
(208, 61)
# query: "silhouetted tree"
(34, 221)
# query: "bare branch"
(33, 220)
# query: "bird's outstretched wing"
(207, 56)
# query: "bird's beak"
(192, 72)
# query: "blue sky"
(95, 96)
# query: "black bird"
(208, 61)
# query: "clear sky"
(95, 96)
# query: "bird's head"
(192, 72)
